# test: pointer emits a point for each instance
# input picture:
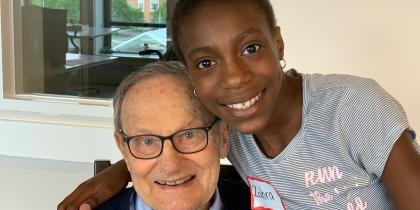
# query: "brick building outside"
(146, 6)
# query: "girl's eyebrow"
(199, 49)
(248, 31)
(239, 37)
(243, 34)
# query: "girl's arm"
(98, 189)
(401, 175)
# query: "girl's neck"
(286, 120)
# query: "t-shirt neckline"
(291, 147)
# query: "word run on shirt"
(326, 175)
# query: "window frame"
(29, 107)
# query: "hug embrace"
(299, 141)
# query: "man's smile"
(175, 182)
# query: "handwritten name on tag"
(264, 196)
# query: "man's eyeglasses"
(186, 141)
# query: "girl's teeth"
(245, 105)
(248, 103)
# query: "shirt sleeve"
(372, 121)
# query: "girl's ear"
(224, 139)
(279, 42)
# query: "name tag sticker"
(264, 196)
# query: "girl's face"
(233, 59)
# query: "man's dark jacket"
(235, 195)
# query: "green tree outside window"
(121, 11)
(159, 16)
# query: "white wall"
(57, 142)
(36, 184)
(378, 39)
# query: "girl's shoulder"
(337, 81)
(343, 88)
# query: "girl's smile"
(247, 104)
(246, 108)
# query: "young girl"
(307, 141)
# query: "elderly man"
(171, 144)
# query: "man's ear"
(224, 139)
(123, 149)
(279, 42)
(120, 144)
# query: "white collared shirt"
(217, 204)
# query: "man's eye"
(204, 64)
(250, 49)
(189, 134)
(147, 142)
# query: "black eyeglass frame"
(127, 139)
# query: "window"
(154, 5)
(81, 49)
(141, 5)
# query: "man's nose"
(170, 160)
(235, 74)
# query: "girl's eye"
(204, 64)
(250, 49)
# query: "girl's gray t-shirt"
(349, 126)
